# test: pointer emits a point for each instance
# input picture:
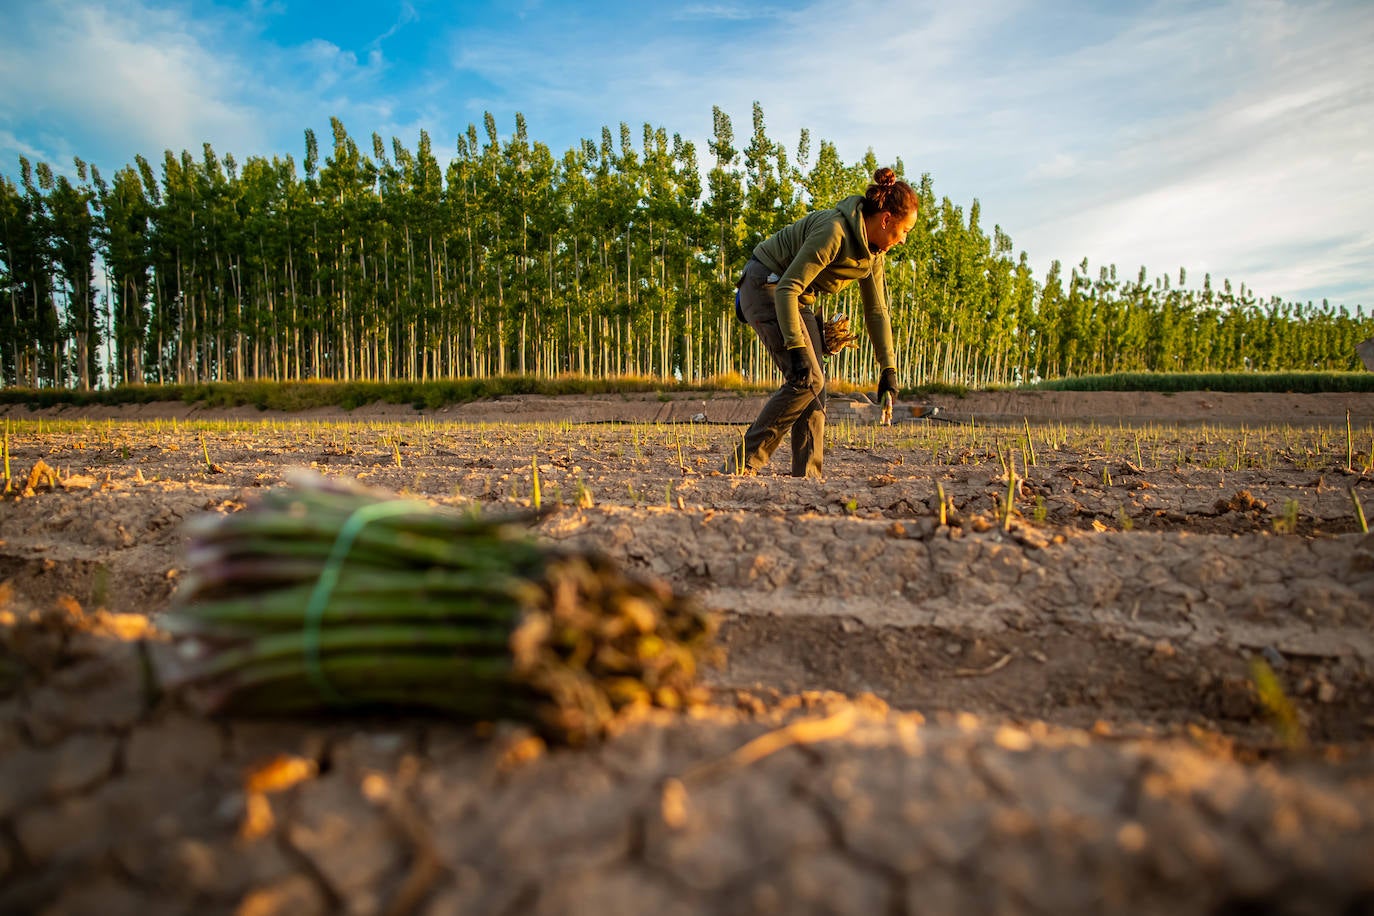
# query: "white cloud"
(128, 78)
(1259, 174)
(720, 11)
(9, 141)
(330, 68)
(127, 75)
(1058, 165)
(405, 18)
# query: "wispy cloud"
(727, 12)
(328, 68)
(1235, 172)
(405, 18)
(117, 76)
(124, 78)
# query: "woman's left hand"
(887, 383)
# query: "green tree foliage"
(616, 258)
(27, 281)
(124, 237)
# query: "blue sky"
(1233, 138)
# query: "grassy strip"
(297, 396)
(293, 396)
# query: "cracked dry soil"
(1056, 715)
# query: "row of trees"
(611, 259)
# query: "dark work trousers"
(796, 407)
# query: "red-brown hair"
(888, 195)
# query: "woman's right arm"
(818, 249)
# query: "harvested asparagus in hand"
(326, 597)
(836, 336)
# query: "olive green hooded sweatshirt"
(823, 252)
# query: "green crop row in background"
(429, 395)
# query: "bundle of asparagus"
(323, 596)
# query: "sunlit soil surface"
(1036, 667)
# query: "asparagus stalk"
(473, 641)
(432, 593)
(315, 537)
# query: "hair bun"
(888, 195)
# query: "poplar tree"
(30, 318)
(73, 241)
(124, 233)
(725, 203)
(35, 317)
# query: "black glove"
(798, 367)
(887, 382)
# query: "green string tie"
(329, 577)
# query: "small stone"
(1326, 692)
(196, 862)
(376, 788)
(232, 808)
(177, 745)
(296, 895)
(104, 894)
(65, 830)
(99, 693)
(340, 832)
(1013, 739)
(673, 804)
(1131, 837)
(30, 775)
